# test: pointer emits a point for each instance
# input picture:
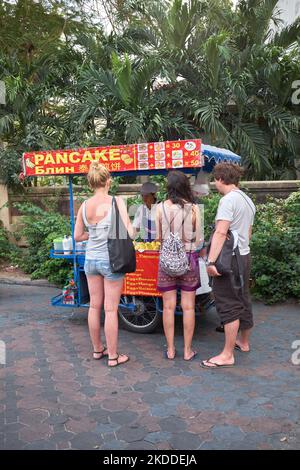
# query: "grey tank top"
(96, 247)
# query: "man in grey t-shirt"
(236, 212)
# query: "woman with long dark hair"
(179, 215)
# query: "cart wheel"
(139, 314)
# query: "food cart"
(141, 304)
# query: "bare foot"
(171, 353)
(189, 355)
(219, 360)
(243, 346)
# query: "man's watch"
(210, 263)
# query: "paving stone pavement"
(54, 396)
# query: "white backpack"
(173, 257)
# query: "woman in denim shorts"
(181, 215)
(104, 286)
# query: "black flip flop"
(238, 348)
(191, 358)
(116, 359)
(220, 329)
(215, 365)
(100, 352)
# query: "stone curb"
(26, 282)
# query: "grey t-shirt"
(239, 210)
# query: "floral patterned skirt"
(189, 281)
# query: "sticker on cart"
(177, 154)
(160, 165)
(158, 146)
(143, 165)
(142, 147)
(177, 163)
(143, 157)
(190, 146)
(161, 156)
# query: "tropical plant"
(275, 247)
(39, 229)
(169, 69)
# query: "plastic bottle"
(69, 293)
(58, 244)
(66, 245)
(70, 241)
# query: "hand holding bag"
(223, 263)
(120, 246)
(224, 260)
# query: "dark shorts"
(188, 282)
(233, 303)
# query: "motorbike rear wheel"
(139, 314)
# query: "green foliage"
(115, 183)
(10, 167)
(170, 69)
(39, 229)
(5, 246)
(210, 204)
(275, 250)
(275, 246)
(161, 182)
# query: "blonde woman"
(104, 286)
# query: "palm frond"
(208, 116)
(217, 51)
(253, 146)
(142, 78)
(122, 70)
(288, 36)
(132, 124)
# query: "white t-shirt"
(144, 221)
(239, 210)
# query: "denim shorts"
(102, 268)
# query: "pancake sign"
(116, 158)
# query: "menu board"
(144, 280)
(118, 158)
(168, 155)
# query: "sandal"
(193, 356)
(214, 365)
(238, 348)
(166, 356)
(220, 329)
(117, 359)
(100, 352)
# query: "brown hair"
(228, 173)
(179, 188)
(98, 175)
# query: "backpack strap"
(170, 223)
(193, 225)
(237, 254)
(238, 191)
